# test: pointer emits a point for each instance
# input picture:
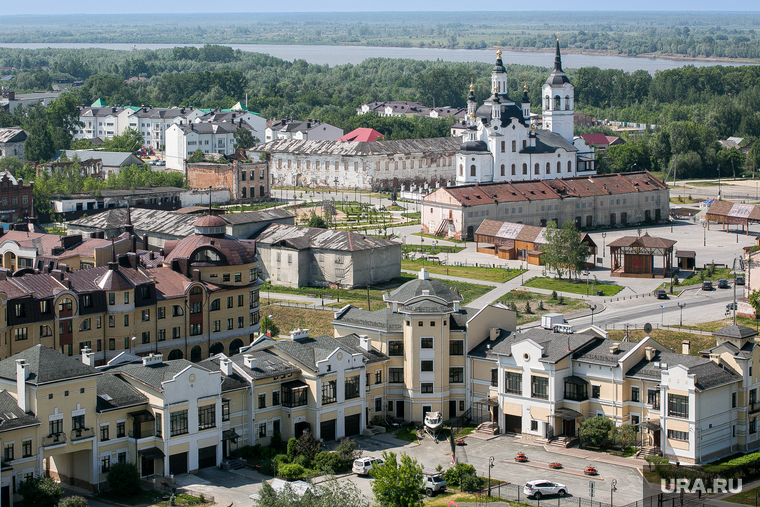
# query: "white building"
(309, 130)
(500, 142)
(12, 141)
(256, 124)
(152, 122)
(183, 140)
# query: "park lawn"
(717, 275)
(521, 296)
(578, 287)
(498, 275)
(288, 318)
(408, 434)
(429, 249)
(413, 214)
(439, 238)
(668, 337)
(746, 497)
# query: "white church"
(502, 143)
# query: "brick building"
(246, 182)
(15, 198)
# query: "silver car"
(540, 488)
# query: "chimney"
(145, 242)
(249, 361)
(715, 358)
(152, 359)
(395, 306)
(423, 274)
(614, 348)
(88, 356)
(456, 306)
(22, 373)
(686, 347)
(226, 366)
(299, 333)
(196, 275)
(133, 243)
(649, 352)
(494, 333)
(364, 342)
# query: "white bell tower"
(499, 77)
(558, 101)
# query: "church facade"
(502, 144)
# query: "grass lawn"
(183, 499)
(746, 497)
(719, 324)
(444, 499)
(521, 296)
(431, 236)
(488, 274)
(407, 434)
(144, 497)
(578, 287)
(318, 322)
(670, 338)
(413, 214)
(465, 431)
(717, 275)
(440, 251)
(684, 200)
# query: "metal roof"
(107, 158)
(302, 238)
(349, 148)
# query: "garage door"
(353, 425)
(178, 463)
(327, 430)
(207, 457)
(513, 423)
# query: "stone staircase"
(648, 450)
(234, 464)
(371, 431)
(562, 441)
(488, 429)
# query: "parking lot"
(237, 486)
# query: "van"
(433, 483)
(549, 320)
(563, 328)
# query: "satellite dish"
(647, 328)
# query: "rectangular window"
(275, 398)
(217, 326)
(352, 387)
(56, 427)
(378, 404)
(426, 365)
(396, 348)
(126, 320)
(146, 336)
(111, 321)
(8, 452)
(159, 425)
(678, 406)
(396, 375)
(105, 464)
(77, 423)
(512, 383)
(456, 348)
(596, 391)
(176, 332)
(195, 329)
(195, 307)
(681, 435)
(456, 375)
(26, 448)
(122, 457)
(241, 322)
(146, 315)
(263, 400)
(753, 426)
(126, 298)
(539, 387)
(238, 277)
(494, 377)
(214, 305)
(230, 322)
(225, 410)
(178, 422)
(161, 335)
(104, 432)
(635, 394)
(426, 343)
(328, 392)
(653, 398)
(121, 429)
(426, 388)
(226, 277)
(229, 301)
(263, 430)
(533, 425)
(379, 377)
(20, 333)
(206, 417)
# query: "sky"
(145, 7)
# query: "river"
(340, 55)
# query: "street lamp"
(604, 244)
(586, 273)
(434, 245)
(662, 315)
(681, 305)
(490, 466)
(613, 488)
(592, 308)
(704, 232)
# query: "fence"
(634, 327)
(308, 306)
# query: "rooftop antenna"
(627, 336)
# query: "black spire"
(471, 96)
(557, 59)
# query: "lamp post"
(704, 232)
(586, 273)
(435, 243)
(662, 315)
(592, 308)
(681, 305)
(613, 488)
(604, 244)
(490, 466)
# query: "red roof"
(595, 138)
(362, 135)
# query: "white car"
(537, 489)
(362, 466)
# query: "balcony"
(82, 433)
(138, 432)
(576, 396)
(54, 439)
(753, 407)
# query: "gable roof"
(114, 392)
(45, 366)
(303, 238)
(154, 375)
(311, 350)
(362, 135)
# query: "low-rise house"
(311, 129)
(15, 198)
(245, 181)
(12, 141)
(301, 256)
(95, 163)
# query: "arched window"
(206, 255)
(535, 169)
(513, 169)
(547, 102)
(557, 102)
(461, 170)
(216, 348)
(196, 354)
(175, 354)
(502, 169)
(525, 168)
(235, 346)
(473, 171)
(196, 290)
(559, 167)
(567, 103)
(548, 168)
(569, 166)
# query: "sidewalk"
(598, 457)
(455, 278)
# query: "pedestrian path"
(496, 293)
(454, 278)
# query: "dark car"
(731, 306)
(739, 280)
(723, 283)
(707, 285)
(660, 294)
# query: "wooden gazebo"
(733, 213)
(634, 256)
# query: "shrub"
(554, 294)
(528, 309)
(40, 492)
(292, 448)
(454, 476)
(676, 281)
(473, 483)
(307, 446)
(276, 442)
(541, 305)
(561, 300)
(291, 471)
(124, 479)
(328, 462)
(73, 501)
(595, 429)
(347, 453)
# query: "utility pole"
(369, 307)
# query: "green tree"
(730, 161)
(82, 144)
(553, 249)
(307, 447)
(130, 141)
(11, 164)
(197, 157)
(268, 324)
(575, 251)
(316, 221)
(327, 494)
(244, 139)
(753, 158)
(595, 429)
(397, 483)
(624, 436)
(754, 301)
(39, 144)
(40, 492)
(73, 501)
(124, 479)
(63, 120)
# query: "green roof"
(99, 103)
